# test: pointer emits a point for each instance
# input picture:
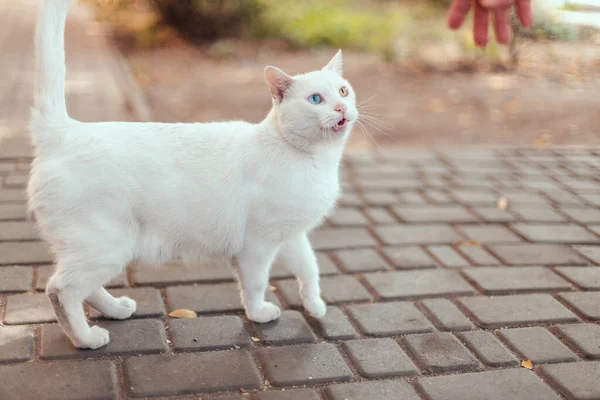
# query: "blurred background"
(203, 60)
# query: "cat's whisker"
(377, 122)
(368, 134)
(378, 129)
(367, 100)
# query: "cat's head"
(313, 107)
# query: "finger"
(524, 13)
(502, 25)
(480, 25)
(458, 12)
(496, 4)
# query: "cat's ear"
(278, 81)
(336, 64)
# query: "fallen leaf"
(255, 339)
(183, 313)
(472, 242)
(527, 364)
(502, 203)
(273, 288)
(543, 142)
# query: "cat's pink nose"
(341, 108)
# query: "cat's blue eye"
(314, 99)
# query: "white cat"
(106, 194)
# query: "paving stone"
(149, 302)
(440, 352)
(389, 184)
(16, 181)
(16, 344)
(361, 260)
(553, 233)
(126, 337)
(448, 256)
(514, 310)
(493, 214)
(491, 385)
(209, 333)
(169, 374)
(515, 196)
(304, 364)
(375, 390)
(177, 272)
(584, 303)
(28, 308)
(349, 199)
(380, 216)
(335, 290)
(24, 253)
(18, 231)
(380, 198)
(335, 325)
(591, 198)
(293, 394)
(538, 345)
(538, 213)
(60, 381)
(585, 215)
(379, 358)
(447, 316)
(591, 252)
(15, 279)
(418, 283)
(490, 234)
(583, 337)
(44, 272)
(417, 234)
(577, 381)
(562, 196)
(389, 319)
(348, 217)
(12, 195)
(290, 328)
(586, 277)
(428, 213)
(580, 184)
(326, 267)
(331, 239)
(12, 212)
(532, 254)
(409, 257)
(514, 279)
(478, 255)
(489, 349)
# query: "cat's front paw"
(96, 338)
(126, 308)
(268, 312)
(316, 307)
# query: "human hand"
(482, 8)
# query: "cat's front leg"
(254, 263)
(299, 257)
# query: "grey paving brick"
(389, 319)
(16, 344)
(417, 234)
(591, 198)
(448, 256)
(12, 212)
(584, 303)
(488, 349)
(126, 337)
(447, 316)
(381, 198)
(326, 267)
(514, 310)
(209, 333)
(335, 325)
(343, 216)
(585, 277)
(409, 257)
(375, 390)
(478, 255)
(177, 272)
(491, 385)
(149, 302)
(379, 358)
(418, 283)
(428, 213)
(554, 233)
(470, 196)
(24, 253)
(578, 381)
(60, 381)
(591, 252)
(331, 239)
(12, 195)
(440, 352)
(289, 328)
(293, 394)
(585, 215)
(44, 272)
(538, 345)
(535, 254)
(361, 260)
(490, 233)
(335, 290)
(539, 213)
(304, 364)
(15, 279)
(583, 337)
(16, 181)
(515, 279)
(380, 216)
(18, 231)
(349, 199)
(169, 374)
(493, 214)
(28, 308)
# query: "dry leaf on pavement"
(183, 313)
(502, 203)
(527, 364)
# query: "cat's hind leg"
(111, 307)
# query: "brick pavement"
(434, 291)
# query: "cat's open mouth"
(340, 126)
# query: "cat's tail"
(50, 105)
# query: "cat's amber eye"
(344, 91)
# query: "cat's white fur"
(110, 193)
